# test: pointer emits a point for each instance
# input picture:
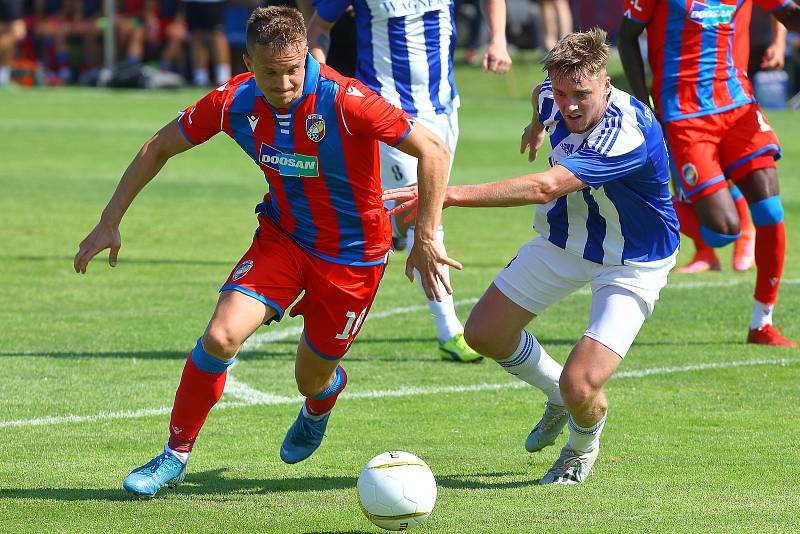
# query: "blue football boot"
(303, 438)
(164, 469)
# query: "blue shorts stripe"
(706, 185)
(318, 353)
(257, 296)
(776, 153)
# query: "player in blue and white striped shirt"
(605, 218)
(405, 54)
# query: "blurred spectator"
(166, 33)
(53, 23)
(557, 20)
(12, 31)
(205, 20)
(470, 12)
(605, 14)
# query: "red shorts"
(337, 297)
(706, 150)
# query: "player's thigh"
(335, 304)
(615, 317)
(542, 274)
(267, 277)
(235, 318)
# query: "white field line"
(257, 340)
(251, 397)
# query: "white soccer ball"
(396, 490)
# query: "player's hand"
(103, 236)
(405, 200)
(496, 58)
(429, 258)
(773, 58)
(533, 137)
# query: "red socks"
(770, 252)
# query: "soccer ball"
(396, 490)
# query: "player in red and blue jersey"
(698, 53)
(323, 230)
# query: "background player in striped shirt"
(605, 218)
(405, 54)
(323, 229)
(698, 52)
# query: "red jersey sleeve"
(772, 5)
(367, 114)
(203, 119)
(640, 11)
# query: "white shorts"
(398, 169)
(622, 295)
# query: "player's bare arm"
(533, 134)
(319, 37)
(496, 58)
(774, 55)
(789, 16)
(538, 188)
(631, 55)
(427, 255)
(166, 143)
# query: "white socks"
(444, 312)
(182, 456)
(5, 75)
(762, 315)
(200, 77)
(531, 363)
(582, 439)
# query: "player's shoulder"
(623, 126)
(245, 79)
(346, 86)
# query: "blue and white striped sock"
(582, 439)
(531, 363)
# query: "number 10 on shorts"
(353, 323)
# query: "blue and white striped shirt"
(625, 215)
(405, 50)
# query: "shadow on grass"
(213, 482)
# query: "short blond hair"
(276, 27)
(579, 55)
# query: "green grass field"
(702, 429)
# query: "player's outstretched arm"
(427, 255)
(539, 188)
(774, 55)
(496, 58)
(166, 143)
(631, 55)
(319, 37)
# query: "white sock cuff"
(586, 431)
(527, 345)
(182, 456)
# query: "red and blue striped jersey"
(698, 52)
(320, 158)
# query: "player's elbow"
(544, 190)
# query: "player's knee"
(767, 212)
(220, 342)
(480, 337)
(577, 392)
(716, 239)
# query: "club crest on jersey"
(711, 15)
(242, 270)
(689, 173)
(315, 127)
(568, 148)
(298, 165)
